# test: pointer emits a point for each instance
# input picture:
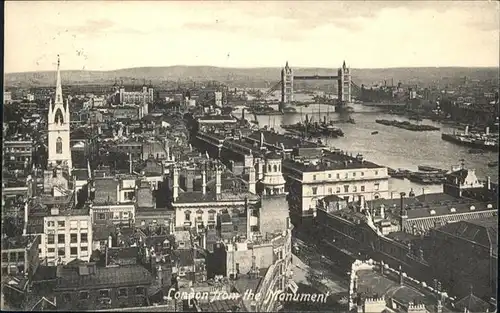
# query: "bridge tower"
(344, 82)
(286, 85)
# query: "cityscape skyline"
(227, 34)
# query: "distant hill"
(241, 76)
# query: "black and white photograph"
(250, 156)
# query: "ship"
(484, 141)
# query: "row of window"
(13, 258)
(346, 175)
(73, 251)
(376, 187)
(115, 216)
(106, 293)
(199, 217)
(72, 224)
(18, 149)
(61, 238)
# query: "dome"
(273, 156)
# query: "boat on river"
(484, 141)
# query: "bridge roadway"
(316, 77)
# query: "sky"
(93, 35)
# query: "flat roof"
(329, 162)
(276, 139)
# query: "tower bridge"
(343, 80)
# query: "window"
(355, 189)
(20, 256)
(338, 189)
(60, 238)
(73, 224)
(353, 174)
(61, 252)
(122, 292)
(338, 176)
(101, 216)
(73, 251)
(376, 186)
(315, 190)
(199, 217)
(83, 238)
(60, 224)
(362, 173)
(67, 297)
(51, 239)
(51, 224)
(5, 257)
(329, 175)
(346, 175)
(84, 295)
(116, 215)
(73, 238)
(275, 168)
(84, 224)
(51, 250)
(59, 140)
(314, 177)
(104, 293)
(346, 188)
(376, 172)
(211, 216)
(139, 291)
(330, 190)
(187, 216)
(362, 188)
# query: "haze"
(113, 35)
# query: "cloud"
(93, 26)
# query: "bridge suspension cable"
(275, 87)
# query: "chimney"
(466, 130)
(402, 211)
(167, 151)
(26, 218)
(118, 198)
(247, 209)
(382, 264)
(110, 241)
(439, 307)
(382, 212)
(261, 139)
(175, 188)
(218, 183)
(251, 180)
(401, 278)
(487, 130)
(204, 180)
(130, 162)
(243, 114)
(488, 183)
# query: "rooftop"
(18, 242)
(133, 275)
(275, 139)
(105, 190)
(330, 161)
(481, 231)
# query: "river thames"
(392, 147)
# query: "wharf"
(407, 125)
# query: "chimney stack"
(382, 212)
(218, 182)
(488, 183)
(130, 162)
(110, 241)
(487, 130)
(466, 130)
(26, 217)
(382, 264)
(251, 180)
(175, 191)
(261, 139)
(402, 211)
(204, 180)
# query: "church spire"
(58, 98)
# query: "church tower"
(273, 217)
(59, 150)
